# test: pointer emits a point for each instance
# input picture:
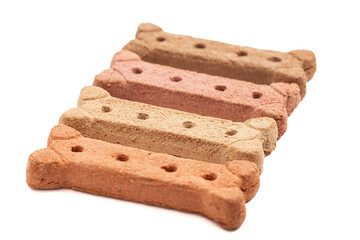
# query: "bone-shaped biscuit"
(89, 165)
(170, 131)
(133, 79)
(154, 45)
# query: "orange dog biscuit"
(89, 165)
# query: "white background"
(310, 184)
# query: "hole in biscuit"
(220, 88)
(106, 109)
(274, 59)
(242, 53)
(77, 149)
(142, 116)
(122, 157)
(256, 95)
(169, 168)
(137, 70)
(160, 39)
(209, 176)
(188, 124)
(200, 45)
(231, 132)
(175, 79)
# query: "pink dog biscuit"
(136, 80)
(154, 45)
(89, 165)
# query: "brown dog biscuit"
(182, 134)
(133, 79)
(216, 58)
(213, 190)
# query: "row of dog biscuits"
(178, 122)
(133, 79)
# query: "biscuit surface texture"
(214, 190)
(170, 131)
(136, 80)
(154, 45)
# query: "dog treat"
(89, 165)
(136, 80)
(221, 59)
(170, 131)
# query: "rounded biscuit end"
(43, 170)
(308, 60)
(147, 27)
(92, 93)
(62, 132)
(249, 175)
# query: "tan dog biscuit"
(182, 134)
(221, 59)
(213, 190)
(133, 79)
